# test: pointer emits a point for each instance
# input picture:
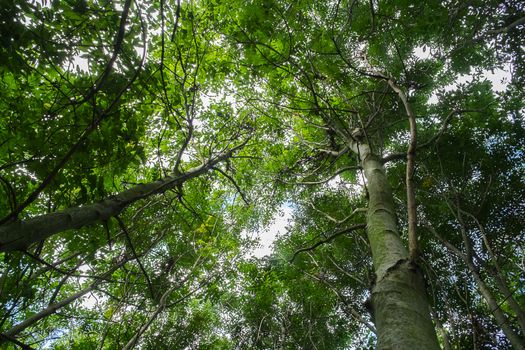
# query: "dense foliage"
(144, 146)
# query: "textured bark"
(399, 302)
(20, 234)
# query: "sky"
(267, 237)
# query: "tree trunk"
(399, 302)
(494, 307)
(20, 234)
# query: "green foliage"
(84, 117)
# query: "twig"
(342, 170)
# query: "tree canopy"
(145, 146)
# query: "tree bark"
(20, 234)
(399, 302)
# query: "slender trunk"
(20, 234)
(52, 308)
(508, 296)
(399, 302)
(441, 329)
(517, 342)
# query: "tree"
(142, 140)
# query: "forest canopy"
(146, 146)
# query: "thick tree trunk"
(20, 234)
(399, 302)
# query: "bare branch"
(334, 220)
(133, 251)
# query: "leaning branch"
(54, 307)
(20, 234)
(232, 180)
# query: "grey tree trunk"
(399, 302)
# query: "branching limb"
(85, 134)
(356, 315)
(433, 139)
(134, 252)
(334, 220)
(501, 30)
(15, 341)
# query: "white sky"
(500, 78)
(267, 237)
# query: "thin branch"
(326, 240)
(232, 180)
(85, 134)
(133, 251)
(15, 341)
(48, 265)
(433, 139)
(505, 29)
(331, 218)
(354, 167)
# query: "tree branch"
(135, 256)
(15, 341)
(20, 234)
(354, 167)
(326, 240)
(232, 180)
